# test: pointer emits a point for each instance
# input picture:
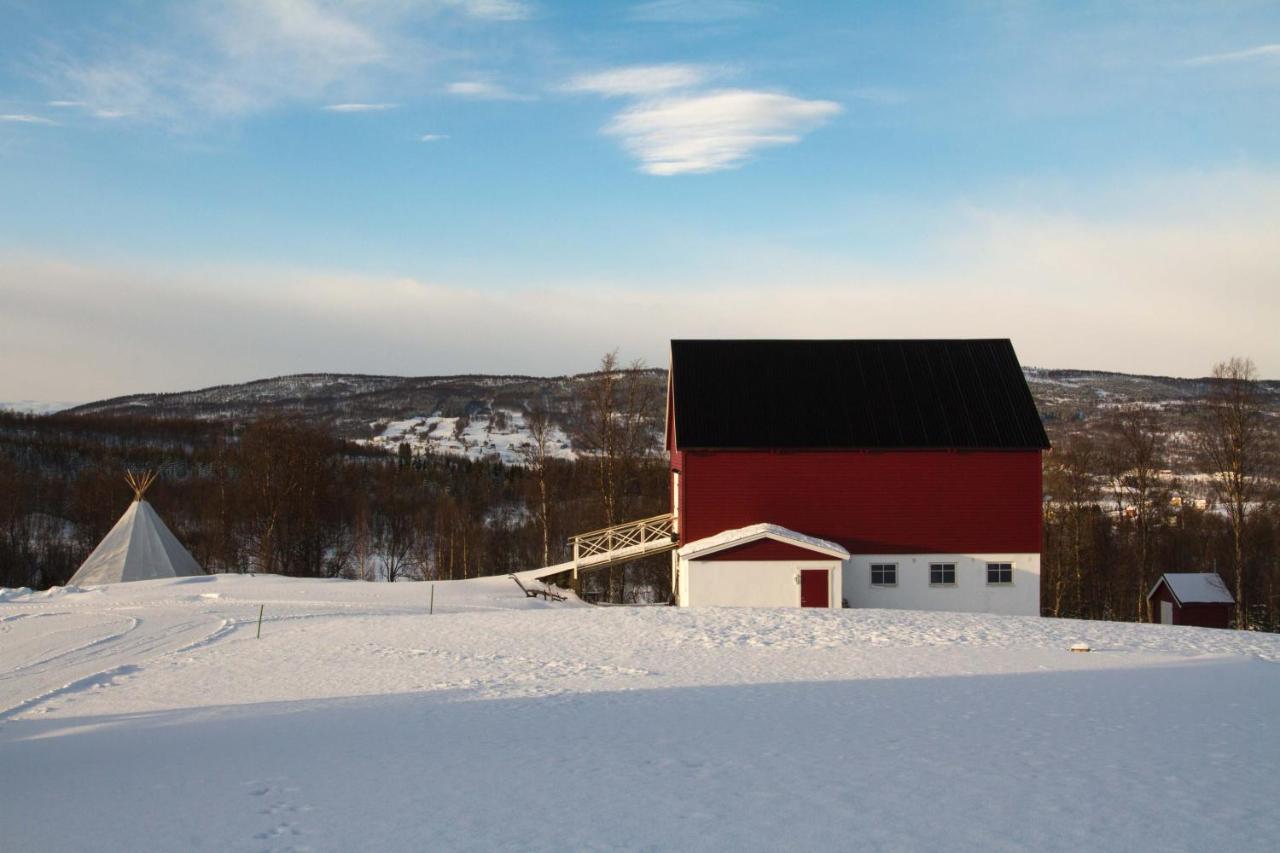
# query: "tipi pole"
(139, 483)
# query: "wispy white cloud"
(26, 118)
(1263, 52)
(494, 10)
(694, 11)
(676, 125)
(482, 90)
(640, 79)
(96, 112)
(225, 59)
(433, 137)
(710, 131)
(359, 108)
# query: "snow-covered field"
(500, 435)
(146, 716)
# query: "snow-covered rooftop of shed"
(743, 535)
(1198, 588)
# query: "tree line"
(1116, 516)
(282, 495)
(285, 496)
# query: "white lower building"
(766, 565)
(759, 566)
(968, 583)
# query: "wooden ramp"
(611, 546)
(622, 543)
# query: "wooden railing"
(623, 542)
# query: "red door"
(813, 588)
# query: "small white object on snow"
(1080, 647)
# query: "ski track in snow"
(65, 671)
(360, 722)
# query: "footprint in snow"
(271, 794)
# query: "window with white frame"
(884, 574)
(999, 573)
(942, 574)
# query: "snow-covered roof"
(1195, 588)
(743, 535)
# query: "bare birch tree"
(614, 432)
(1070, 480)
(1232, 446)
(1140, 445)
(395, 525)
(536, 454)
(614, 427)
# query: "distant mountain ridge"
(477, 415)
(36, 407)
(480, 415)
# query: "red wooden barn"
(883, 473)
(1191, 598)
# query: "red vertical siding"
(1205, 615)
(891, 502)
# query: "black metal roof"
(868, 394)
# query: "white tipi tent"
(140, 547)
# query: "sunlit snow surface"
(146, 716)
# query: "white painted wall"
(971, 593)
(675, 501)
(679, 579)
(755, 583)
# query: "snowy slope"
(35, 407)
(424, 409)
(147, 716)
(499, 435)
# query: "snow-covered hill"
(495, 434)
(147, 716)
(381, 409)
(35, 407)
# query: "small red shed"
(1191, 598)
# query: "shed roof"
(851, 394)
(1195, 588)
(743, 535)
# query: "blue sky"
(495, 185)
